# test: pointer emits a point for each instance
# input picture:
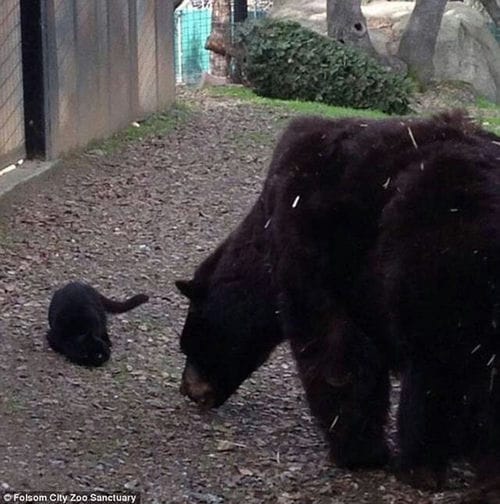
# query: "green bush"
(282, 59)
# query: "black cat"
(78, 324)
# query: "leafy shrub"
(282, 59)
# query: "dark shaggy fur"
(385, 245)
(78, 323)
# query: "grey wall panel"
(165, 52)
(102, 126)
(87, 65)
(119, 63)
(11, 85)
(66, 126)
(146, 56)
(108, 63)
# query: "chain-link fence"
(193, 25)
(11, 84)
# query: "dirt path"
(138, 220)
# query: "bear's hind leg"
(484, 435)
(429, 410)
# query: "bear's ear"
(189, 288)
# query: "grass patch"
(156, 124)
(483, 103)
(492, 124)
(303, 108)
(489, 112)
(489, 115)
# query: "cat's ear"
(190, 288)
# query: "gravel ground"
(136, 220)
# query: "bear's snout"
(197, 388)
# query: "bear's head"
(230, 330)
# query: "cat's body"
(78, 322)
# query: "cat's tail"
(112, 306)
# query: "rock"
(466, 50)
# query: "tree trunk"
(219, 40)
(347, 24)
(493, 9)
(418, 41)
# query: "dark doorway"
(33, 83)
(240, 8)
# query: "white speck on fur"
(422, 167)
(267, 223)
(453, 210)
(475, 349)
(334, 423)
(494, 323)
(495, 142)
(492, 360)
(385, 185)
(410, 132)
(295, 202)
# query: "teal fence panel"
(192, 27)
(496, 31)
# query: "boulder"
(466, 49)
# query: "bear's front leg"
(347, 387)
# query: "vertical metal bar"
(179, 44)
(50, 76)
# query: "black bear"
(340, 230)
(386, 238)
(78, 322)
